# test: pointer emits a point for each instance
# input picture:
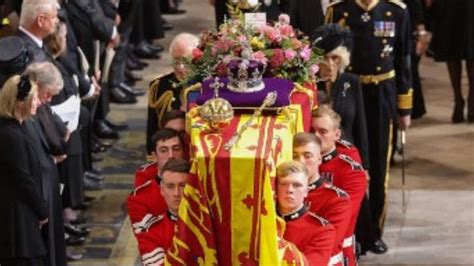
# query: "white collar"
(37, 40)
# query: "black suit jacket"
(89, 23)
(21, 203)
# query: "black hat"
(329, 37)
(14, 57)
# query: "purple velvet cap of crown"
(252, 99)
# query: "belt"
(375, 79)
(338, 258)
(348, 241)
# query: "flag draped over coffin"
(227, 214)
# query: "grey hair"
(183, 44)
(46, 74)
(345, 56)
(31, 9)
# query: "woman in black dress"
(453, 42)
(342, 90)
(22, 210)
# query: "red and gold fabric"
(227, 214)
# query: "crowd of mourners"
(62, 62)
(54, 103)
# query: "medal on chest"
(384, 29)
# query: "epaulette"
(355, 165)
(161, 76)
(145, 166)
(345, 143)
(340, 193)
(140, 187)
(323, 221)
(398, 3)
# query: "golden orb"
(217, 112)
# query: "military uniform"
(381, 56)
(146, 173)
(317, 241)
(162, 97)
(334, 205)
(345, 173)
(154, 243)
(144, 204)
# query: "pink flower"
(259, 56)
(314, 69)
(305, 53)
(242, 38)
(286, 31)
(278, 58)
(290, 54)
(197, 54)
(284, 19)
(272, 34)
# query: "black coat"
(50, 184)
(306, 15)
(21, 202)
(347, 101)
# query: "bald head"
(182, 45)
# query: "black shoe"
(118, 96)
(116, 126)
(129, 75)
(79, 220)
(74, 240)
(88, 198)
(93, 176)
(102, 142)
(167, 27)
(174, 11)
(458, 112)
(155, 47)
(103, 131)
(76, 231)
(96, 148)
(379, 247)
(90, 184)
(144, 52)
(131, 91)
(132, 65)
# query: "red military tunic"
(155, 242)
(144, 204)
(347, 148)
(334, 205)
(313, 235)
(345, 173)
(145, 172)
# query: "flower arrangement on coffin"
(286, 52)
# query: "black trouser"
(380, 108)
(418, 101)
(364, 231)
(117, 68)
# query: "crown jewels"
(245, 75)
(217, 111)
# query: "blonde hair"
(9, 101)
(46, 74)
(53, 42)
(291, 167)
(303, 138)
(343, 53)
(325, 110)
